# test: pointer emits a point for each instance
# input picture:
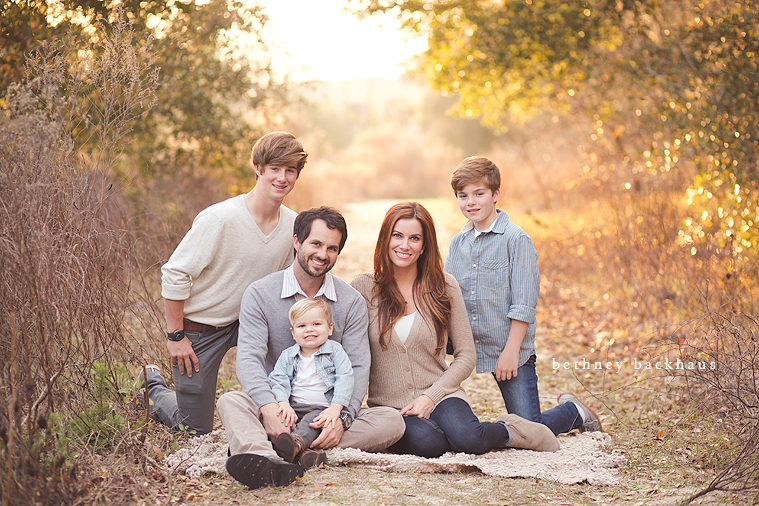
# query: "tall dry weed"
(66, 251)
(726, 390)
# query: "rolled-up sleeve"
(524, 278)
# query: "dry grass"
(671, 453)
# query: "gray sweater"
(265, 332)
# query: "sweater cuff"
(436, 393)
(262, 398)
(176, 292)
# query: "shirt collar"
(291, 287)
(498, 226)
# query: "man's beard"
(303, 262)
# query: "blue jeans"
(192, 405)
(452, 427)
(521, 397)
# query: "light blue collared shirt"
(500, 281)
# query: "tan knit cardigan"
(403, 372)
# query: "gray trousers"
(306, 415)
(373, 430)
(191, 407)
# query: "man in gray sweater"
(250, 416)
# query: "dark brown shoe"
(256, 471)
(288, 447)
(312, 458)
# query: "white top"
(403, 326)
(489, 229)
(308, 386)
(220, 256)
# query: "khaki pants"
(374, 429)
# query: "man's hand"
(182, 355)
(329, 437)
(271, 420)
(420, 407)
(507, 365)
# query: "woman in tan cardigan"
(414, 308)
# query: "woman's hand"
(421, 407)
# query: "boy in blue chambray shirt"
(496, 265)
(312, 382)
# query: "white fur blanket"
(582, 457)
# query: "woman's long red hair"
(429, 291)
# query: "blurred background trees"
(666, 93)
(217, 85)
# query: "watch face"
(177, 335)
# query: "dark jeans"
(520, 394)
(452, 427)
(191, 407)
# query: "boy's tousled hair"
(278, 148)
(473, 170)
(304, 305)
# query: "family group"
(367, 365)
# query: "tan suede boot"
(529, 435)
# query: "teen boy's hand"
(507, 365)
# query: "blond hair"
(473, 170)
(305, 305)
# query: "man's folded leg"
(374, 429)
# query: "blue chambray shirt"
(332, 364)
(500, 281)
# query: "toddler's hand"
(287, 414)
(329, 417)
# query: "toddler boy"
(312, 382)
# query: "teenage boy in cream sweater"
(230, 245)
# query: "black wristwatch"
(177, 335)
(347, 420)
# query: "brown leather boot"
(289, 446)
(312, 458)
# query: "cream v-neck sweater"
(220, 256)
(403, 372)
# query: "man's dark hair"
(329, 215)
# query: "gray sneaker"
(592, 421)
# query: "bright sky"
(329, 44)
